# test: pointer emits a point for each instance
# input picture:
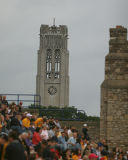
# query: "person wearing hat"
(85, 131)
(92, 156)
(26, 121)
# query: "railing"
(27, 99)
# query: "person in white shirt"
(44, 133)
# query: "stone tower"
(52, 82)
(114, 91)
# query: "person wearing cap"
(92, 156)
(104, 155)
(99, 149)
(26, 121)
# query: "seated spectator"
(22, 138)
(93, 156)
(44, 139)
(36, 139)
(15, 123)
(52, 131)
(4, 142)
(26, 121)
(62, 141)
(57, 123)
(104, 155)
(39, 122)
(76, 155)
(72, 141)
(44, 133)
(15, 150)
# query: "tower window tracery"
(48, 63)
(57, 58)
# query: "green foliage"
(65, 113)
(93, 118)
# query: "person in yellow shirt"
(76, 155)
(26, 121)
(4, 141)
(39, 122)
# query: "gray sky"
(88, 23)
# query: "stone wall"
(93, 128)
(114, 91)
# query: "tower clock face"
(52, 90)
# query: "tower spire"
(53, 21)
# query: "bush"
(65, 113)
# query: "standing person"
(85, 131)
(4, 101)
(15, 150)
(20, 106)
(0, 101)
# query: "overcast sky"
(88, 23)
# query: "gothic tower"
(52, 81)
(114, 91)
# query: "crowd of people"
(25, 136)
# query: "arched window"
(48, 63)
(57, 63)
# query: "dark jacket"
(15, 151)
(15, 122)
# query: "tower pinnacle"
(54, 21)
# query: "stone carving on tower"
(52, 81)
(114, 91)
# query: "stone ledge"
(115, 84)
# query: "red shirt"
(36, 139)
